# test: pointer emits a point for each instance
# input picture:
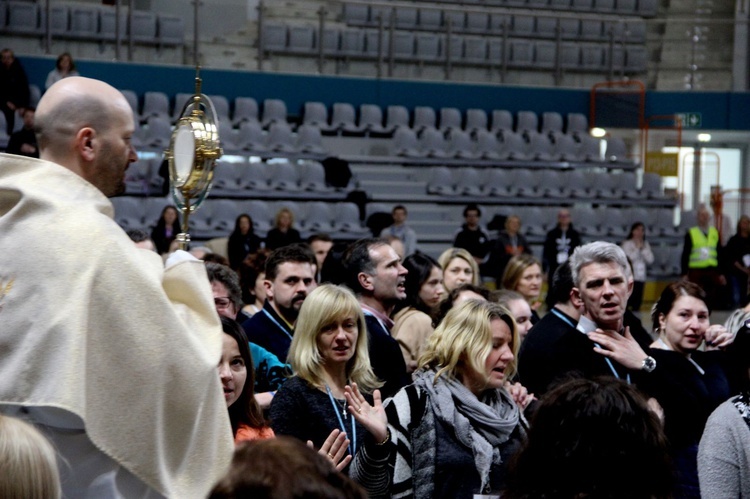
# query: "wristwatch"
(649, 364)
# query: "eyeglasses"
(222, 301)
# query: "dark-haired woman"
(236, 374)
(242, 241)
(166, 229)
(415, 316)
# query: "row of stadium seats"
(84, 21)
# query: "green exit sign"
(690, 120)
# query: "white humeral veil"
(92, 325)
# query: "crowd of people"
(295, 367)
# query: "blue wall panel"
(719, 110)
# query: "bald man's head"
(86, 125)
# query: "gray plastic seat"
(521, 53)
(636, 59)
(313, 177)
(396, 117)
(528, 121)
(274, 111)
(545, 54)
(331, 40)
(405, 143)
(318, 217)
(226, 181)
(309, 140)
(592, 57)
(279, 138)
(256, 177)
(245, 109)
(427, 46)
(316, 114)
(371, 119)
(457, 20)
(501, 23)
(577, 124)
(604, 6)
(347, 219)
(523, 25)
(108, 23)
(228, 137)
(221, 106)
(487, 146)
(170, 29)
(475, 50)
(469, 182)
(477, 22)
(352, 42)
(460, 145)
(356, 14)
(450, 119)
(250, 137)
(441, 182)
(552, 122)
(132, 99)
(143, 26)
(158, 133)
(84, 21)
(432, 143)
(648, 8)
(652, 186)
(284, 176)
(430, 19)
(499, 183)
(526, 182)
(581, 184)
(155, 104)
(406, 17)
(501, 120)
(616, 150)
(513, 146)
(591, 149)
(274, 37)
(566, 148)
(591, 29)
(476, 119)
(59, 19)
(540, 147)
(403, 45)
(180, 100)
(343, 119)
(23, 17)
(302, 39)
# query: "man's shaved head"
(85, 125)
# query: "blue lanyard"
(353, 445)
(273, 319)
(606, 359)
(563, 318)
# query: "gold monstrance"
(192, 154)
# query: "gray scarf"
(481, 424)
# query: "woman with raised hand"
(328, 351)
(452, 432)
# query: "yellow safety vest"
(704, 254)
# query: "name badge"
(486, 496)
(704, 253)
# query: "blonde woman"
(283, 234)
(328, 351)
(27, 461)
(459, 267)
(452, 432)
(523, 274)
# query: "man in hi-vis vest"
(700, 257)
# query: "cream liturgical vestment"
(95, 330)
